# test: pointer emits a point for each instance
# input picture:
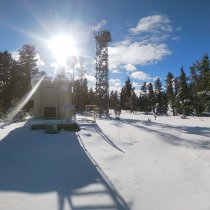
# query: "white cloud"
(156, 37)
(145, 45)
(129, 67)
(176, 38)
(137, 53)
(115, 71)
(140, 75)
(115, 84)
(153, 23)
(90, 78)
(15, 55)
(137, 87)
(39, 62)
(141, 48)
(100, 25)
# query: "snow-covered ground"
(127, 164)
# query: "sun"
(62, 47)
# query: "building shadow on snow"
(36, 162)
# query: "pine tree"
(122, 98)
(200, 85)
(84, 97)
(196, 99)
(151, 98)
(204, 69)
(143, 99)
(28, 67)
(134, 100)
(143, 89)
(164, 102)
(113, 100)
(81, 94)
(77, 92)
(141, 103)
(126, 95)
(183, 96)
(8, 80)
(158, 95)
(170, 92)
(91, 97)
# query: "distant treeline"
(183, 94)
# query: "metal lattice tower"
(102, 71)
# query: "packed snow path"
(124, 164)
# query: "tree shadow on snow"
(170, 138)
(36, 162)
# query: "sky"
(149, 38)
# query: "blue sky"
(150, 38)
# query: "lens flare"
(23, 102)
(62, 47)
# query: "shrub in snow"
(1, 115)
(21, 116)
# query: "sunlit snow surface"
(124, 164)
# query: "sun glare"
(62, 47)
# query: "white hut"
(52, 100)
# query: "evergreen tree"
(158, 95)
(122, 98)
(151, 98)
(77, 92)
(143, 89)
(28, 68)
(141, 103)
(196, 98)
(80, 94)
(164, 102)
(170, 92)
(200, 85)
(143, 99)
(84, 96)
(8, 80)
(113, 100)
(183, 96)
(126, 95)
(134, 101)
(91, 97)
(204, 69)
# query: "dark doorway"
(49, 112)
